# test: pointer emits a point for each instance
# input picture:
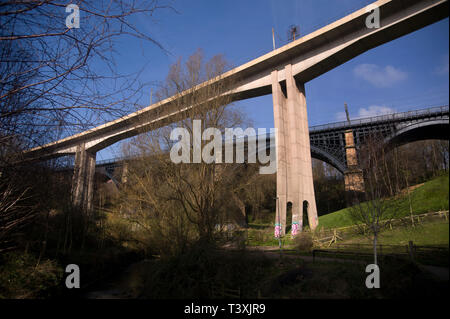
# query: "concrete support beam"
(83, 179)
(354, 181)
(294, 169)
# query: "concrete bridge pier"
(294, 170)
(353, 177)
(83, 179)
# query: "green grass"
(425, 234)
(263, 237)
(428, 234)
(432, 196)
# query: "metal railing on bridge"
(432, 111)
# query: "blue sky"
(406, 74)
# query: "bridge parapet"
(439, 111)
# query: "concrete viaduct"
(338, 144)
(283, 73)
(331, 142)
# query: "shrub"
(304, 241)
(22, 277)
(205, 272)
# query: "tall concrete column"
(354, 181)
(279, 110)
(294, 168)
(305, 177)
(83, 179)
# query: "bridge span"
(328, 141)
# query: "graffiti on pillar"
(295, 228)
(277, 230)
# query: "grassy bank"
(428, 234)
(431, 196)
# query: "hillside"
(431, 196)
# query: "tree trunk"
(375, 248)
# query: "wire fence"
(429, 255)
(332, 236)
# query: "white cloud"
(442, 69)
(373, 110)
(379, 76)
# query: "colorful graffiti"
(277, 230)
(295, 229)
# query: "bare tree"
(56, 80)
(184, 201)
(369, 211)
(16, 209)
(403, 163)
(444, 154)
